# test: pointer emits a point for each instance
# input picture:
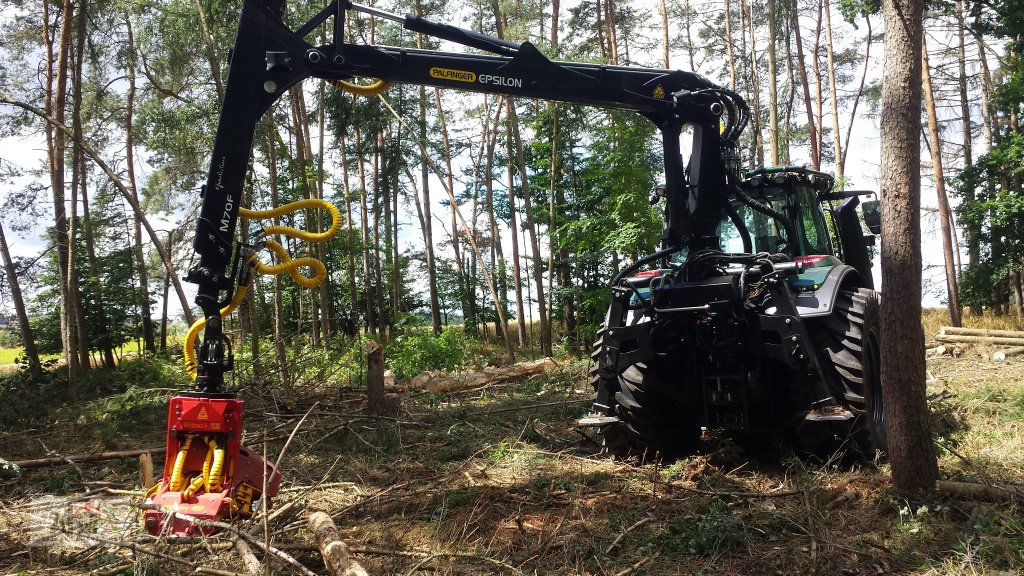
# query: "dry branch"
(443, 382)
(58, 460)
(999, 340)
(334, 551)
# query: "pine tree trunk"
(773, 87)
(211, 53)
(371, 320)
(945, 216)
(28, 341)
(833, 95)
(279, 331)
(729, 59)
(513, 225)
(757, 140)
(129, 144)
(531, 226)
(971, 229)
(428, 238)
(914, 465)
(812, 129)
(663, 11)
(350, 244)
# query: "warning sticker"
(659, 92)
(202, 413)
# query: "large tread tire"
(651, 423)
(850, 353)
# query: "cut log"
(444, 382)
(145, 470)
(998, 340)
(974, 491)
(334, 551)
(1007, 353)
(951, 331)
(58, 460)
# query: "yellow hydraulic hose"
(217, 469)
(377, 87)
(179, 465)
(287, 264)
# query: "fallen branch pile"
(445, 382)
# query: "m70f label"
(449, 74)
(501, 81)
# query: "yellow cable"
(216, 471)
(377, 87)
(208, 462)
(287, 264)
(179, 465)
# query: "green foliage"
(410, 354)
(709, 533)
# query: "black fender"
(820, 302)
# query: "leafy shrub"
(410, 354)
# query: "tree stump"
(379, 402)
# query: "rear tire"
(850, 353)
(652, 424)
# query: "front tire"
(652, 424)
(851, 354)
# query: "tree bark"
(834, 96)
(28, 341)
(773, 87)
(945, 216)
(812, 129)
(914, 464)
(531, 226)
(140, 259)
(428, 233)
(279, 332)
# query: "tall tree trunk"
(129, 144)
(945, 216)
(211, 52)
(167, 290)
(971, 229)
(773, 87)
(818, 96)
(757, 140)
(465, 281)
(428, 238)
(531, 226)
(497, 255)
(56, 102)
(371, 319)
(279, 331)
(326, 316)
(303, 156)
(28, 341)
(350, 244)
(914, 464)
(730, 60)
(663, 11)
(513, 225)
(812, 129)
(834, 95)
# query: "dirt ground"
(499, 480)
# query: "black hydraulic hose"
(748, 246)
(771, 213)
(641, 262)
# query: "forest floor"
(499, 480)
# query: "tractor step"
(830, 414)
(590, 421)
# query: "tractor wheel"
(850, 346)
(651, 423)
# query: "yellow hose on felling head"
(286, 264)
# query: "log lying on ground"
(332, 548)
(444, 382)
(974, 491)
(58, 460)
(999, 340)
(1007, 353)
(951, 331)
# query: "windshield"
(768, 234)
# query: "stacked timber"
(1011, 340)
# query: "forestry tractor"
(746, 319)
